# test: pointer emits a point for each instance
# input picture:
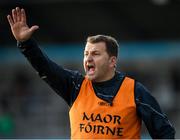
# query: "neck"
(107, 82)
(108, 77)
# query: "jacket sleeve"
(149, 110)
(64, 82)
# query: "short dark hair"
(111, 43)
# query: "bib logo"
(107, 125)
(104, 104)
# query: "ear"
(113, 61)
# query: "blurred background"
(148, 32)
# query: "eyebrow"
(92, 51)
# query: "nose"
(89, 58)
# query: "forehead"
(100, 46)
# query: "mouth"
(90, 69)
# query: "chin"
(92, 78)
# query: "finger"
(14, 15)
(18, 14)
(23, 15)
(10, 20)
(34, 28)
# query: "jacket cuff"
(26, 45)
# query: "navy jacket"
(67, 83)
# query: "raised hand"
(19, 27)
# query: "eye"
(85, 54)
(97, 53)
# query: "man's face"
(98, 64)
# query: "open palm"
(19, 27)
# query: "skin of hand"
(19, 27)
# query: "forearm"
(34, 55)
(57, 77)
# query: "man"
(104, 103)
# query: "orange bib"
(94, 118)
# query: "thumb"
(34, 28)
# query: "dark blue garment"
(67, 83)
